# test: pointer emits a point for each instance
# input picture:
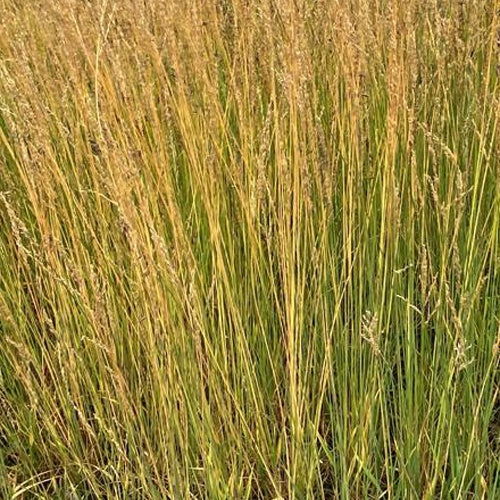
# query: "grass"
(249, 249)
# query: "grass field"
(249, 249)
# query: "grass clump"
(249, 249)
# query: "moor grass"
(249, 249)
